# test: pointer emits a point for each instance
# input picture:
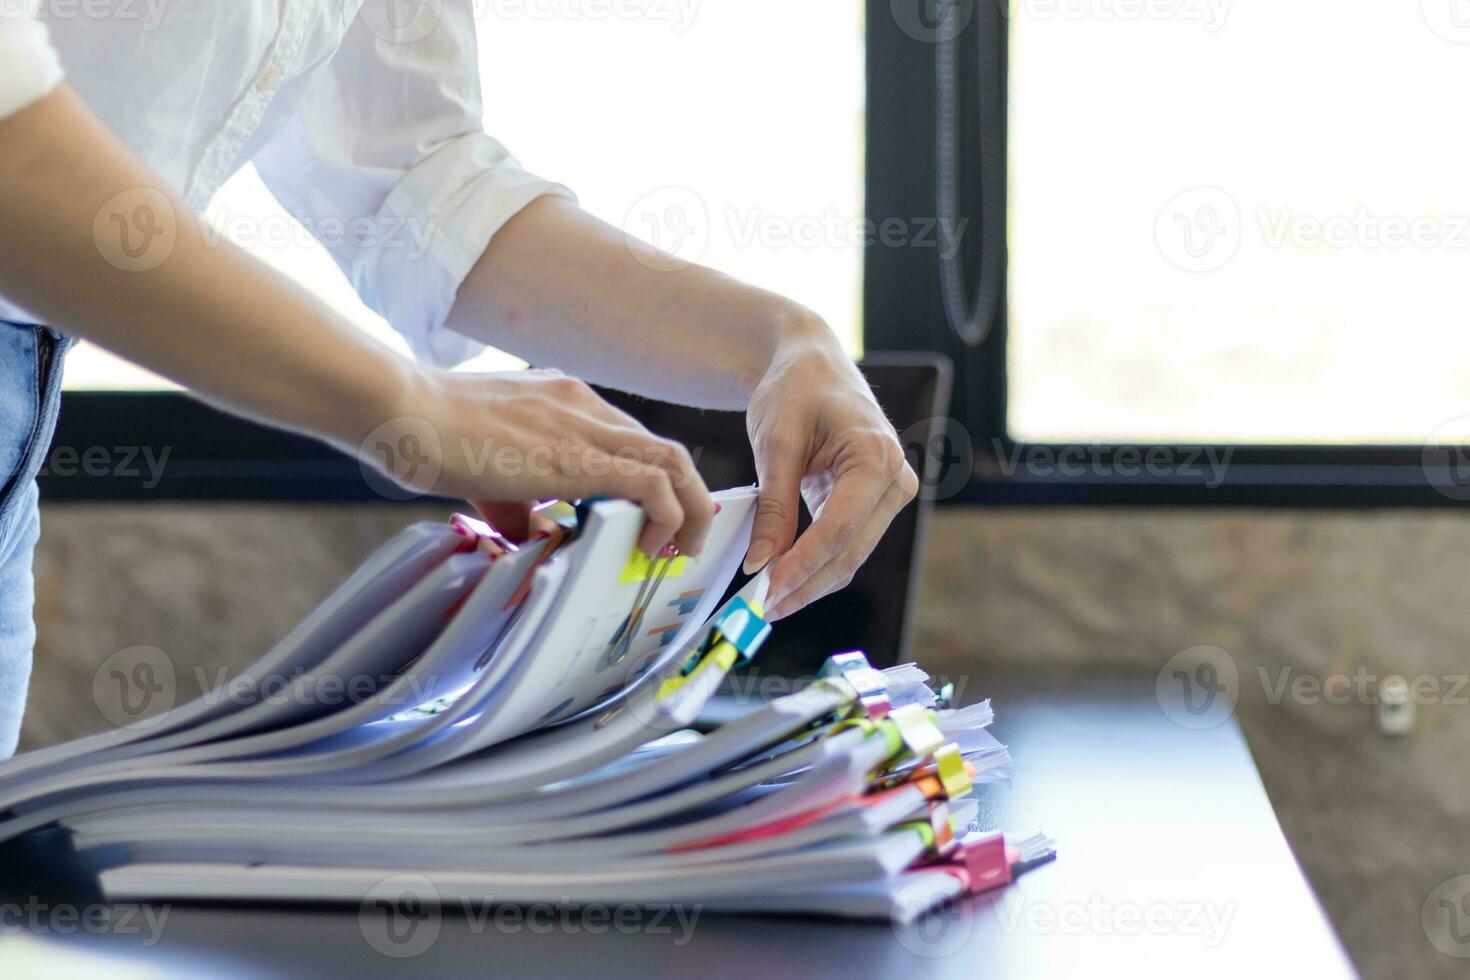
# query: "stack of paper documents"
(512, 724)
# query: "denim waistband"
(31, 359)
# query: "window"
(1230, 241)
(1237, 222)
(729, 133)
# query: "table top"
(1171, 863)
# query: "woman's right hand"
(532, 435)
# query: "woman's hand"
(819, 434)
(218, 321)
(526, 436)
(557, 286)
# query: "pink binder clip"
(479, 534)
(980, 865)
(464, 526)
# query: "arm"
(207, 316)
(559, 287)
(397, 134)
(213, 319)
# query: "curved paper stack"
(499, 724)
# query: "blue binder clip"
(743, 627)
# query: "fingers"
(689, 487)
(637, 454)
(654, 491)
(631, 447)
(864, 500)
(779, 469)
(646, 485)
(837, 574)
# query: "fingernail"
(756, 559)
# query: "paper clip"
(870, 684)
(623, 642)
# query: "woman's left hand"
(819, 435)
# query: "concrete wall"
(1377, 822)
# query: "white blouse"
(358, 114)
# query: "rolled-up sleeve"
(31, 66)
(388, 163)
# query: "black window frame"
(904, 310)
(214, 456)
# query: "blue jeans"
(30, 397)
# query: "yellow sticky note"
(640, 567)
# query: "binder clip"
(945, 776)
(988, 862)
(733, 638)
(561, 512)
(944, 697)
(470, 529)
(911, 731)
(980, 865)
(870, 684)
(937, 830)
(955, 775)
(744, 628)
(918, 732)
(480, 536)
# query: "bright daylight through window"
(1238, 222)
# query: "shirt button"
(268, 81)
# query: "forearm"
(563, 289)
(208, 316)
